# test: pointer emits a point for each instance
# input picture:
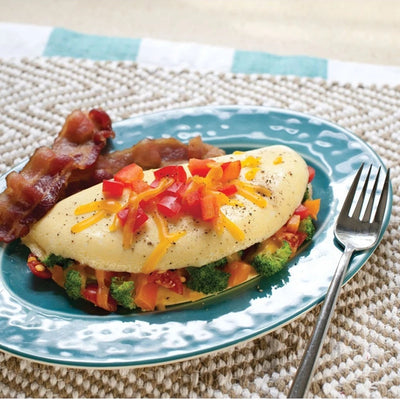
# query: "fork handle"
(308, 363)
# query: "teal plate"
(38, 321)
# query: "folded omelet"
(278, 169)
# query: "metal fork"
(355, 233)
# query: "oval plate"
(39, 322)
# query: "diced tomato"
(112, 188)
(145, 293)
(231, 170)
(37, 268)
(311, 173)
(229, 190)
(293, 224)
(302, 211)
(199, 167)
(209, 207)
(176, 172)
(169, 206)
(129, 174)
(168, 279)
(90, 294)
(295, 240)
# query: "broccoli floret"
(122, 292)
(209, 278)
(73, 284)
(307, 226)
(52, 260)
(268, 264)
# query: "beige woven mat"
(361, 357)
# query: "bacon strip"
(148, 153)
(75, 162)
(42, 182)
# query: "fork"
(355, 233)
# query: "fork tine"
(350, 195)
(380, 210)
(357, 210)
(368, 210)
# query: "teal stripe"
(66, 43)
(264, 63)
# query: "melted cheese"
(255, 215)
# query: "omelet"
(277, 175)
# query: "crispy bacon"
(148, 153)
(42, 182)
(75, 162)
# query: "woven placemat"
(361, 357)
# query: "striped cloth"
(18, 40)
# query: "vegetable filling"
(169, 195)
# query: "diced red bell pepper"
(129, 174)
(168, 279)
(191, 198)
(123, 215)
(231, 170)
(229, 190)
(112, 189)
(140, 218)
(90, 294)
(139, 186)
(169, 206)
(199, 167)
(176, 172)
(176, 188)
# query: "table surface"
(361, 356)
(357, 30)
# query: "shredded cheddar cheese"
(212, 184)
(166, 240)
(251, 173)
(101, 208)
(251, 193)
(251, 161)
(233, 229)
(82, 225)
(278, 160)
(110, 206)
